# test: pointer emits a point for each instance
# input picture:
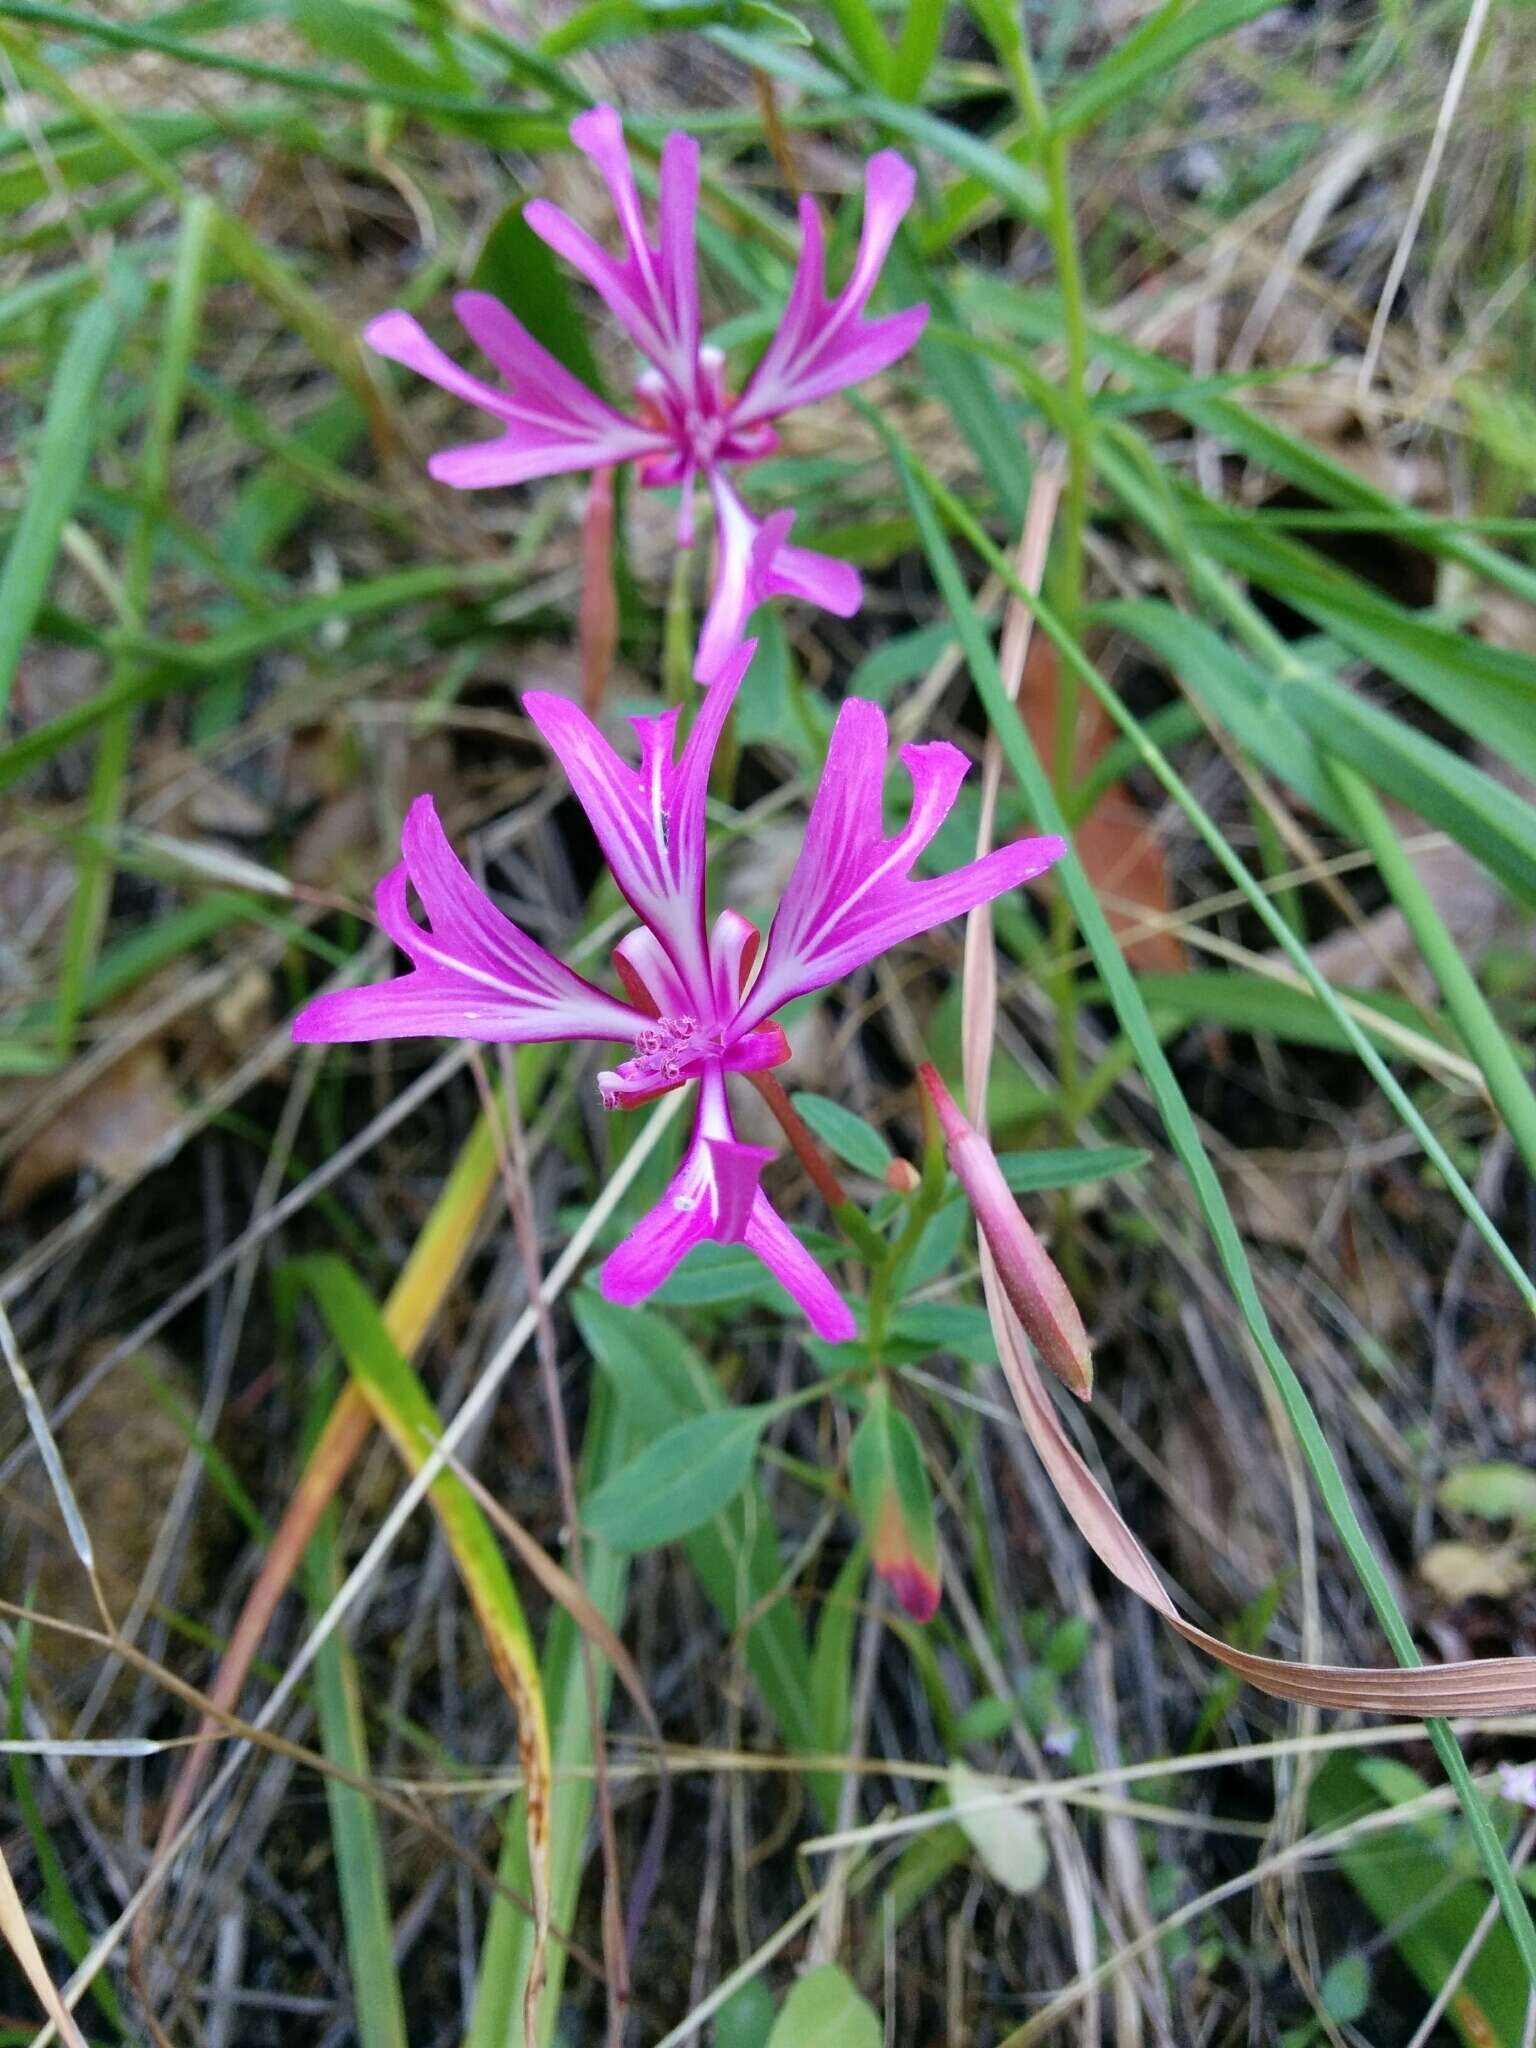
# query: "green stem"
(1480, 1029)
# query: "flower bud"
(902, 1177)
(1035, 1289)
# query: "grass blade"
(64, 450)
(404, 1411)
(354, 1824)
(1181, 1127)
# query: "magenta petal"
(850, 896)
(714, 1197)
(821, 347)
(709, 1199)
(553, 423)
(779, 570)
(730, 597)
(652, 290)
(797, 1272)
(649, 820)
(475, 974)
(753, 562)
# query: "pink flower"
(696, 1009)
(689, 427)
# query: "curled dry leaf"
(1487, 1685)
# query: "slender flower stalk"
(700, 997)
(1035, 1289)
(688, 427)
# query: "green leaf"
(825, 2011)
(1249, 703)
(1146, 57)
(1346, 1989)
(1490, 692)
(947, 1326)
(71, 421)
(746, 2018)
(660, 1380)
(712, 1274)
(845, 1134)
(1020, 187)
(1033, 1173)
(895, 1504)
(679, 1481)
(507, 1952)
(832, 1658)
(917, 48)
(861, 31)
(1414, 1883)
(934, 1252)
(360, 1879)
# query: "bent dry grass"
(1198, 517)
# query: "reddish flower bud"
(1035, 1289)
(902, 1177)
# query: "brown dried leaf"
(1119, 849)
(114, 1127)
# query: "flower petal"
(753, 562)
(708, 1199)
(850, 896)
(714, 1197)
(653, 290)
(797, 1272)
(779, 570)
(649, 820)
(553, 422)
(821, 347)
(475, 974)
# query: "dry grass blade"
(47, 1449)
(23, 1945)
(979, 981)
(560, 1586)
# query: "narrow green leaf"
(862, 32)
(917, 48)
(520, 270)
(1032, 1173)
(71, 420)
(682, 1479)
(380, 2009)
(845, 1134)
(1176, 29)
(507, 1951)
